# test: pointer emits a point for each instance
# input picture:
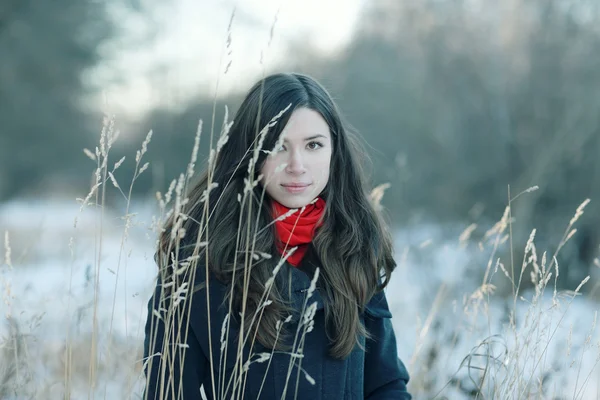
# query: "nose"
(295, 165)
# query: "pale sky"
(189, 41)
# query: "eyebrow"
(317, 136)
(313, 137)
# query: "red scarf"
(297, 229)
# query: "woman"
(271, 277)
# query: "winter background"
(458, 101)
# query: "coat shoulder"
(378, 306)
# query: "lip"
(295, 187)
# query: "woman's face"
(299, 170)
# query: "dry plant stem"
(139, 376)
(257, 148)
(267, 292)
(546, 347)
(202, 231)
(247, 260)
(206, 205)
(189, 277)
(263, 297)
(203, 228)
(175, 333)
(588, 378)
(16, 340)
(244, 302)
(223, 357)
(249, 246)
(247, 270)
(512, 261)
(168, 319)
(172, 331)
(516, 290)
(92, 347)
(510, 234)
(578, 372)
(187, 303)
(270, 359)
(225, 389)
(538, 333)
(68, 347)
(299, 366)
(189, 299)
(540, 287)
(566, 236)
(140, 323)
(540, 278)
(291, 363)
(528, 249)
(487, 278)
(300, 351)
(439, 297)
(499, 229)
(190, 273)
(207, 283)
(202, 225)
(105, 142)
(492, 256)
(296, 350)
(153, 334)
(122, 248)
(190, 268)
(226, 185)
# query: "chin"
(294, 202)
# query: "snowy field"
(49, 300)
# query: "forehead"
(304, 123)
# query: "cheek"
(268, 170)
(322, 170)
(326, 166)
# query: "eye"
(314, 145)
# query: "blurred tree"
(45, 47)
(556, 132)
(173, 141)
(458, 101)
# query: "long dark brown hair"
(353, 245)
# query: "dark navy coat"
(374, 372)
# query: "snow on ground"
(49, 292)
(52, 290)
(555, 339)
(62, 286)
